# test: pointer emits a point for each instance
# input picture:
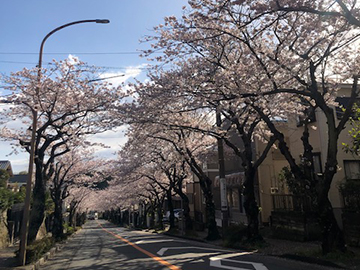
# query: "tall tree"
(159, 163)
(293, 56)
(70, 106)
(75, 169)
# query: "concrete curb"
(48, 255)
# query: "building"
(234, 181)
(348, 165)
(273, 193)
(17, 181)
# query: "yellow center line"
(156, 258)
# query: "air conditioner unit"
(274, 190)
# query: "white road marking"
(162, 251)
(156, 241)
(216, 262)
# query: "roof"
(6, 165)
(19, 178)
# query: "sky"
(114, 46)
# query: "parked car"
(177, 215)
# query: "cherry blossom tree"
(75, 169)
(157, 162)
(189, 145)
(297, 58)
(70, 107)
(75, 199)
(345, 10)
(197, 88)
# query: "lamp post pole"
(25, 221)
(222, 179)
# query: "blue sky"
(113, 46)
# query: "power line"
(50, 63)
(59, 53)
(17, 62)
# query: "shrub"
(350, 190)
(69, 230)
(35, 250)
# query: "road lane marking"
(156, 258)
(216, 262)
(162, 251)
(155, 241)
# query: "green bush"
(69, 230)
(38, 248)
(350, 190)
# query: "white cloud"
(73, 59)
(113, 139)
(19, 162)
(117, 78)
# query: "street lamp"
(222, 178)
(25, 221)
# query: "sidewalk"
(8, 261)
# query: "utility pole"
(222, 180)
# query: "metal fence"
(292, 203)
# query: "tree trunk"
(159, 209)
(145, 214)
(38, 206)
(205, 184)
(171, 210)
(332, 235)
(72, 214)
(58, 228)
(251, 206)
(186, 209)
(213, 232)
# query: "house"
(348, 166)
(17, 181)
(273, 194)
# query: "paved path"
(102, 246)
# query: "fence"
(292, 203)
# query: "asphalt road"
(102, 246)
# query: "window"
(352, 169)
